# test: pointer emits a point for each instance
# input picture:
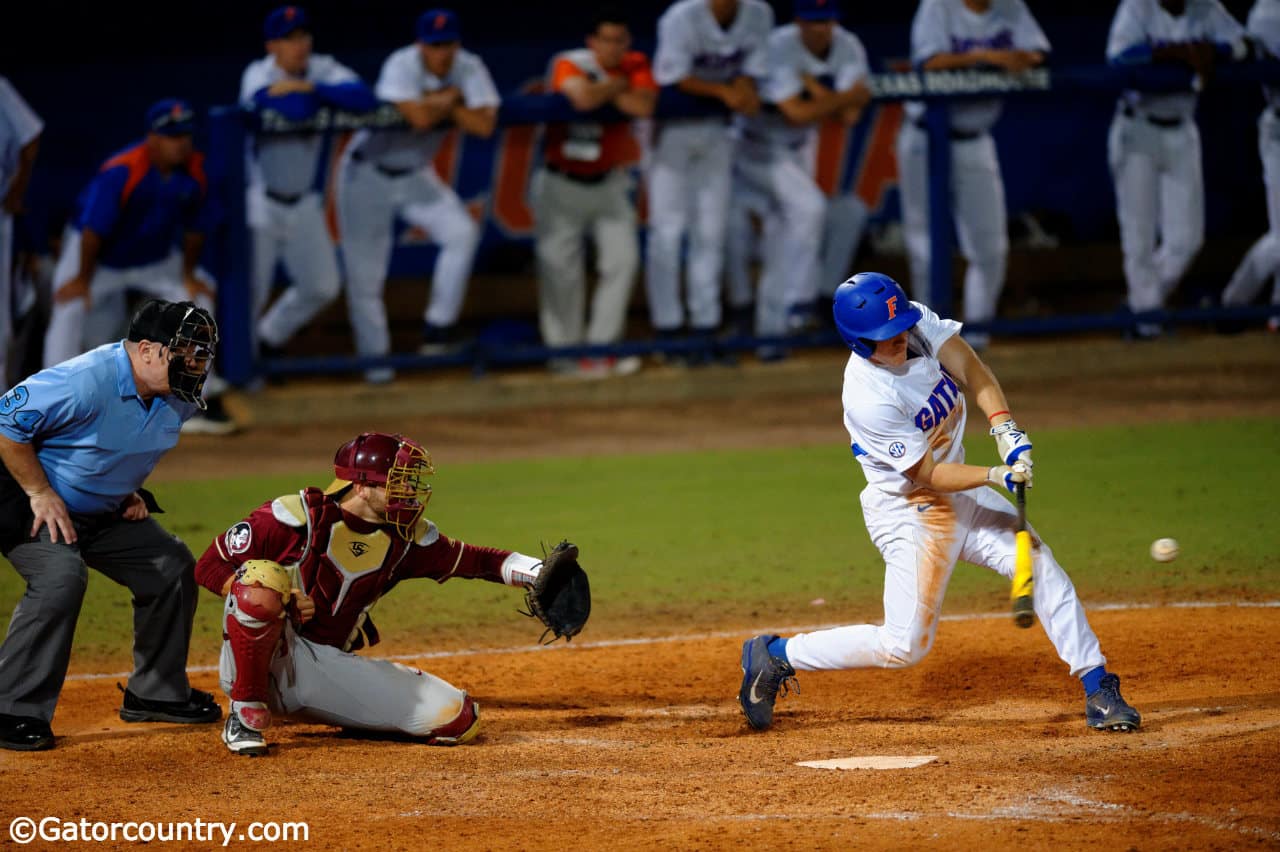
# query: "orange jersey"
(592, 148)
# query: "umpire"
(78, 440)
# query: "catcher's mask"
(191, 336)
(394, 462)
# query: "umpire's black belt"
(1160, 121)
(952, 133)
(385, 171)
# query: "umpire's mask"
(190, 334)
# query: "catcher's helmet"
(394, 462)
(191, 336)
(870, 307)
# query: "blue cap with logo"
(171, 117)
(437, 26)
(818, 10)
(284, 21)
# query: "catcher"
(301, 573)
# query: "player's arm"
(77, 287)
(273, 531)
(430, 109)
(341, 87)
(822, 102)
(1008, 60)
(973, 374)
(586, 95)
(478, 121)
(46, 506)
(640, 97)
(22, 176)
(948, 477)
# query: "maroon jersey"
(341, 562)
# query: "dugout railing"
(230, 127)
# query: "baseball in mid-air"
(1164, 549)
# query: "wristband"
(991, 417)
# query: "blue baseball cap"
(817, 10)
(437, 26)
(171, 117)
(285, 20)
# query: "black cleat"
(762, 676)
(198, 708)
(1106, 710)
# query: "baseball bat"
(1024, 614)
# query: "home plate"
(872, 761)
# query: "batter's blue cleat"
(762, 676)
(1106, 710)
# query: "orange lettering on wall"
(833, 141)
(446, 159)
(516, 149)
(878, 170)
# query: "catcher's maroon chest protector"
(347, 565)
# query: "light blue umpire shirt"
(96, 439)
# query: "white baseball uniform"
(894, 416)
(390, 173)
(773, 176)
(690, 165)
(1263, 260)
(19, 125)
(1154, 152)
(977, 190)
(286, 214)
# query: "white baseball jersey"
(1145, 22)
(788, 61)
(692, 43)
(896, 414)
(18, 126)
(948, 26)
(287, 164)
(405, 78)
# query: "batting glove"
(1012, 443)
(1004, 476)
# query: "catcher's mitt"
(560, 597)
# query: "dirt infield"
(642, 746)
(637, 742)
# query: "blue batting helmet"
(870, 307)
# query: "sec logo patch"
(238, 538)
(897, 449)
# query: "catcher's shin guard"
(252, 623)
(462, 729)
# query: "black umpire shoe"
(199, 707)
(25, 733)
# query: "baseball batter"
(816, 70)
(20, 130)
(1262, 263)
(1154, 145)
(434, 83)
(904, 409)
(289, 632)
(949, 34)
(714, 49)
(285, 212)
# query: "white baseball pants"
(1263, 260)
(1159, 199)
(977, 205)
(689, 182)
(76, 327)
(566, 212)
(368, 202)
(794, 210)
(323, 684)
(295, 235)
(921, 537)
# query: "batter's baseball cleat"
(198, 708)
(241, 739)
(763, 675)
(1106, 710)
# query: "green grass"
(683, 541)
